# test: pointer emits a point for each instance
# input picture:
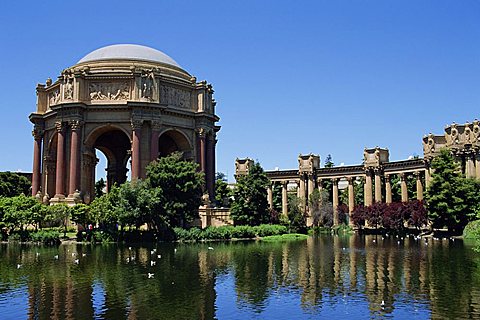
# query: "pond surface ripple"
(332, 277)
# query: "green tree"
(99, 186)
(327, 184)
(103, 209)
(296, 216)
(222, 193)
(321, 209)
(60, 213)
(80, 214)
(12, 184)
(250, 205)
(277, 196)
(452, 200)
(178, 190)
(18, 212)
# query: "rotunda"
(131, 102)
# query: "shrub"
(264, 230)
(50, 237)
(358, 216)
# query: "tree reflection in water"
(328, 276)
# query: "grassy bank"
(285, 237)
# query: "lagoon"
(333, 277)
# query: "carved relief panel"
(175, 97)
(109, 91)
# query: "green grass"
(285, 237)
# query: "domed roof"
(130, 52)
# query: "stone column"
(368, 188)
(284, 198)
(320, 185)
(469, 165)
(335, 201)
(388, 189)
(302, 186)
(60, 170)
(270, 196)
(311, 184)
(156, 126)
(75, 127)
(203, 152)
(378, 185)
(351, 198)
(136, 155)
(477, 164)
(37, 159)
(210, 165)
(427, 173)
(403, 185)
(418, 176)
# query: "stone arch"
(172, 140)
(114, 142)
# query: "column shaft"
(311, 184)
(284, 198)
(136, 152)
(36, 172)
(59, 179)
(335, 202)
(388, 189)
(419, 185)
(351, 199)
(477, 166)
(403, 185)
(368, 188)
(378, 186)
(270, 196)
(74, 158)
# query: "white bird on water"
(55, 257)
(19, 266)
(76, 261)
(152, 263)
(159, 256)
(210, 248)
(175, 250)
(150, 275)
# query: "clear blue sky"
(290, 77)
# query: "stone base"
(58, 198)
(72, 200)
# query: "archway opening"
(173, 141)
(113, 147)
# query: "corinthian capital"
(75, 124)
(37, 133)
(59, 126)
(136, 124)
(202, 132)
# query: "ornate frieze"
(54, 97)
(75, 124)
(175, 97)
(37, 132)
(136, 124)
(109, 91)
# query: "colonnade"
(61, 159)
(373, 188)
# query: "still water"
(327, 277)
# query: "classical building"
(376, 171)
(131, 102)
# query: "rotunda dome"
(129, 52)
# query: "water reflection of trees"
(443, 275)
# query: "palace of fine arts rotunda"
(132, 103)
